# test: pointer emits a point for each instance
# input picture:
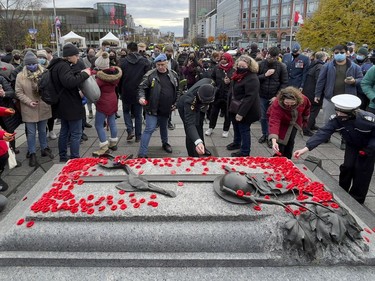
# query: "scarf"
(238, 76)
(230, 63)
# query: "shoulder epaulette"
(369, 118)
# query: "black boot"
(32, 160)
(47, 152)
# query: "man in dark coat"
(134, 67)
(309, 90)
(192, 107)
(69, 107)
(358, 129)
(273, 77)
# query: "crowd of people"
(284, 90)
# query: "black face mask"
(112, 57)
(242, 70)
(169, 56)
(16, 57)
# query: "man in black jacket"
(273, 76)
(158, 92)
(192, 107)
(134, 67)
(309, 90)
(69, 107)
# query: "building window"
(264, 3)
(285, 10)
(253, 24)
(244, 16)
(254, 13)
(254, 3)
(263, 12)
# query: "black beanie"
(70, 50)
(206, 93)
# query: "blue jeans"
(31, 128)
(74, 130)
(242, 136)
(151, 124)
(99, 120)
(264, 105)
(137, 111)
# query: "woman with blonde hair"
(287, 115)
(35, 112)
(243, 103)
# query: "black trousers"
(314, 111)
(190, 145)
(287, 150)
(215, 110)
(356, 173)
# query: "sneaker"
(225, 134)
(209, 132)
(130, 136)
(52, 135)
(58, 121)
(3, 185)
(117, 116)
(171, 126)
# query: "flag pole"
(291, 30)
(57, 37)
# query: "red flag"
(298, 18)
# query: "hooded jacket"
(134, 67)
(107, 80)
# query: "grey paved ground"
(22, 179)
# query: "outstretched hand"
(300, 152)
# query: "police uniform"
(192, 107)
(358, 130)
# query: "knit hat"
(70, 50)
(41, 54)
(362, 51)
(206, 93)
(274, 51)
(102, 62)
(30, 58)
(161, 57)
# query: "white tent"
(112, 39)
(73, 38)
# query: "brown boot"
(113, 143)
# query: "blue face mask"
(340, 57)
(42, 61)
(360, 58)
(32, 67)
(107, 50)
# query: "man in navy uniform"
(357, 127)
(192, 107)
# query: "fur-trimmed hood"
(111, 74)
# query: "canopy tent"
(74, 38)
(112, 39)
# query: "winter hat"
(362, 51)
(70, 50)
(102, 62)
(346, 103)
(206, 93)
(30, 58)
(161, 57)
(41, 54)
(274, 51)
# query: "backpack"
(47, 89)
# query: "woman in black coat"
(244, 104)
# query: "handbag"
(234, 105)
(90, 89)
(12, 162)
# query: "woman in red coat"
(4, 137)
(287, 115)
(106, 107)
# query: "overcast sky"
(167, 15)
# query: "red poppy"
(153, 196)
(240, 193)
(257, 208)
(114, 207)
(30, 224)
(136, 205)
(20, 221)
(101, 208)
(180, 183)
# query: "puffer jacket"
(107, 80)
(269, 86)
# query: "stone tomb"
(66, 222)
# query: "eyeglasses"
(341, 52)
